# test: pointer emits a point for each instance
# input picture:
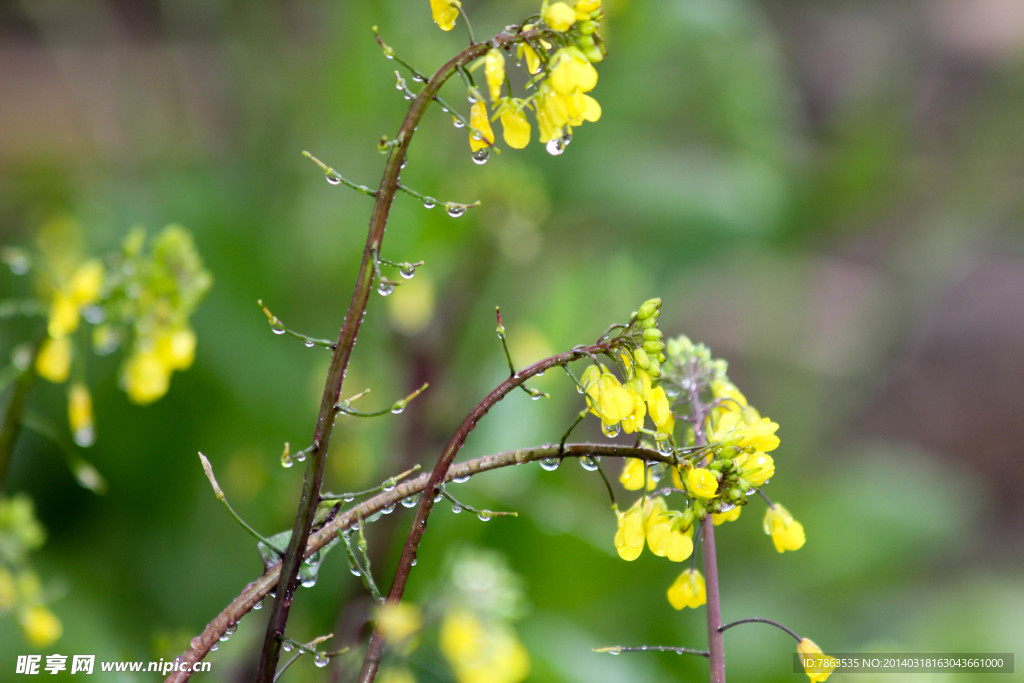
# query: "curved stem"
(759, 620)
(419, 525)
(261, 587)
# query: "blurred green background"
(830, 195)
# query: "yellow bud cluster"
(146, 373)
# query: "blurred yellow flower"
(176, 347)
(559, 16)
(40, 626)
(400, 622)
(634, 474)
(494, 72)
(53, 362)
(80, 417)
(146, 376)
(482, 652)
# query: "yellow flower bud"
(786, 533)
(40, 626)
(481, 135)
(54, 360)
(559, 16)
(661, 410)
(701, 483)
(494, 72)
(812, 658)
(530, 55)
(688, 590)
(584, 8)
(515, 127)
(145, 376)
(80, 417)
(445, 13)
(629, 537)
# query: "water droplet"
(389, 55)
(389, 486)
(224, 637)
(355, 571)
(429, 203)
(388, 510)
(550, 464)
(536, 396)
(85, 436)
(611, 431)
(438, 496)
(484, 515)
(456, 508)
(398, 408)
(286, 646)
(300, 456)
(347, 498)
(457, 122)
(384, 288)
(286, 460)
(589, 463)
(460, 480)
(471, 99)
(333, 178)
(407, 271)
(258, 604)
(481, 156)
(407, 95)
(555, 146)
(278, 330)
(615, 651)
(410, 502)
(455, 210)
(309, 583)
(230, 630)
(664, 446)
(418, 79)
(321, 659)
(17, 261)
(310, 343)
(414, 562)
(214, 647)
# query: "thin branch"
(256, 591)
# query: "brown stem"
(375, 650)
(716, 645)
(261, 587)
(313, 479)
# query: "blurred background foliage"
(830, 195)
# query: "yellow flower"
(629, 537)
(146, 376)
(40, 626)
(559, 16)
(607, 398)
(666, 534)
(494, 72)
(481, 135)
(63, 317)
(80, 416)
(760, 436)
(728, 516)
(515, 127)
(701, 483)
(812, 656)
(176, 347)
(552, 115)
(688, 590)
(756, 467)
(445, 13)
(54, 359)
(786, 533)
(85, 283)
(757, 434)
(661, 411)
(634, 421)
(634, 474)
(482, 653)
(530, 55)
(400, 622)
(571, 71)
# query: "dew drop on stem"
(429, 203)
(310, 343)
(332, 178)
(385, 288)
(455, 210)
(550, 464)
(460, 480)
(457, 122)
(278, 330)
(481, 156)
(407, 271)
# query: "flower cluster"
(559, 53)
(721, 453)
(21, 593)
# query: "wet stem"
(313, 478)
